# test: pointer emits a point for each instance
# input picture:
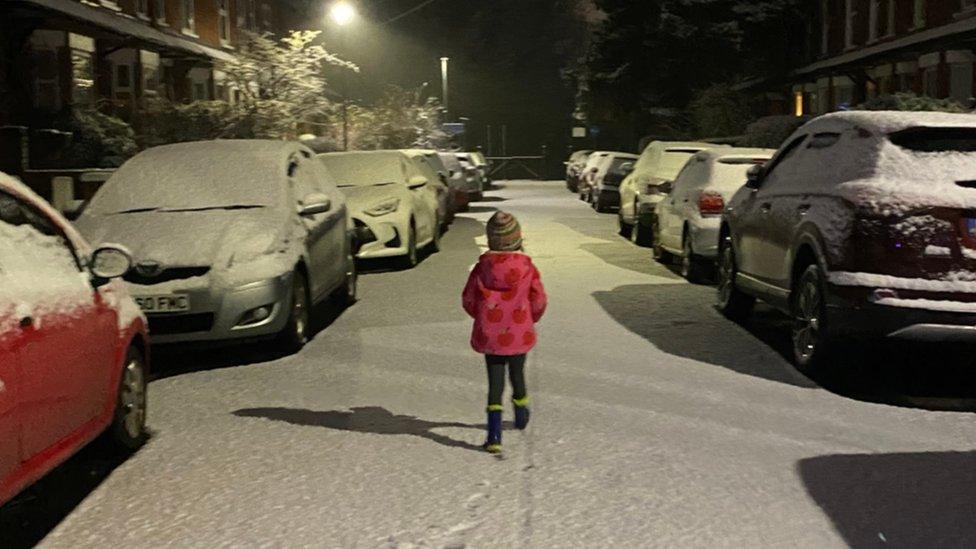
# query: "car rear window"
(936, 139)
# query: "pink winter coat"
(504, 295)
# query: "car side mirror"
(417, 182)
(110, 261)
(754, 177)
(314, 204)
(665, 187)
(626, 169)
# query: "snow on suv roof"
(735, 152)
(890, 121)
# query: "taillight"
(710, 203)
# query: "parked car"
(603, 192)
(574, 169)
(471, 171)
(392, 204)
(689, 217)
(647, 185)
(592, 166)
(232, 240)
(861, 225)
(464, 185)
(74, 356)
(479, 162)
(430, 166)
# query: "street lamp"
(342, 13)
(444, 65)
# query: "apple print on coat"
(506, 338)
(495, 314)
(520, 315)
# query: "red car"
(73, 345)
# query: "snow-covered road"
(656, 423)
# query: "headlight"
(383, 208)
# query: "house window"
(247, 17)
(968, 5)
(188, 13)
(919, 16)
(82, 70)
(142, 8)
(266, 17)
(223, 20)
(825, 27)
(930, 82)
(890, 19)
(149, 62)
(159, 10)
(961, 82)
(47, 92)
(873, 13)
(849, 15)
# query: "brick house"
(860, 49)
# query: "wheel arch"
(808, 249)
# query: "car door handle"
(766, 207)
(26, 322)
(803, 208)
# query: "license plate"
(173, 303)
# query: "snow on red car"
(73, 352)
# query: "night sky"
(506, 62)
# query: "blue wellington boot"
(494, 442)
(521, 412)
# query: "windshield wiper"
(373, 185)
(136, 210)
(208, 208)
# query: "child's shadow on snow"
(368, 419)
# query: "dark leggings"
(496, 376)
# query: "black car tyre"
(411, 259)
(350, 288)
(731, 301)
(641, 235)
(692, 268)
(128, 429)
(625, 229)
(811, 336)
(295, 334)
(601, 204)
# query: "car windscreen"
(189, 182)
(364, 170)
(936, 140)
(672, 161)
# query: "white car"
(690, 216)
(430, 165)
(604, 190)
(392, 205)
(589, 171)
(653, 173)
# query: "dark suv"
(863, 224)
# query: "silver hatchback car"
(230, 239)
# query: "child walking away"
(504, 295)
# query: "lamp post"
(447, 108)
(343, 13)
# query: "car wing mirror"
(417, 182)
(665, 187)
(754, 177)
(72, 211)
(110, 261)
(314, 204)
(626, 169)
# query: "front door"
(67, 337)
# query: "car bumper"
(610, 197)
(851, 312)
(704, 234)
(377, 238)
(215, 315)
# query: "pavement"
(656, 423)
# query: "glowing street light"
(342, 12)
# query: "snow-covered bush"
(910, 102)
(721, 111)
(400, 119)
(163, 122)
(769, 132)
(98, 140)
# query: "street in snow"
(656, 422)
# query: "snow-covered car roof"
(888, 121)
(200, 174)
(735, 153)
(364, 168)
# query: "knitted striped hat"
(504, 233)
